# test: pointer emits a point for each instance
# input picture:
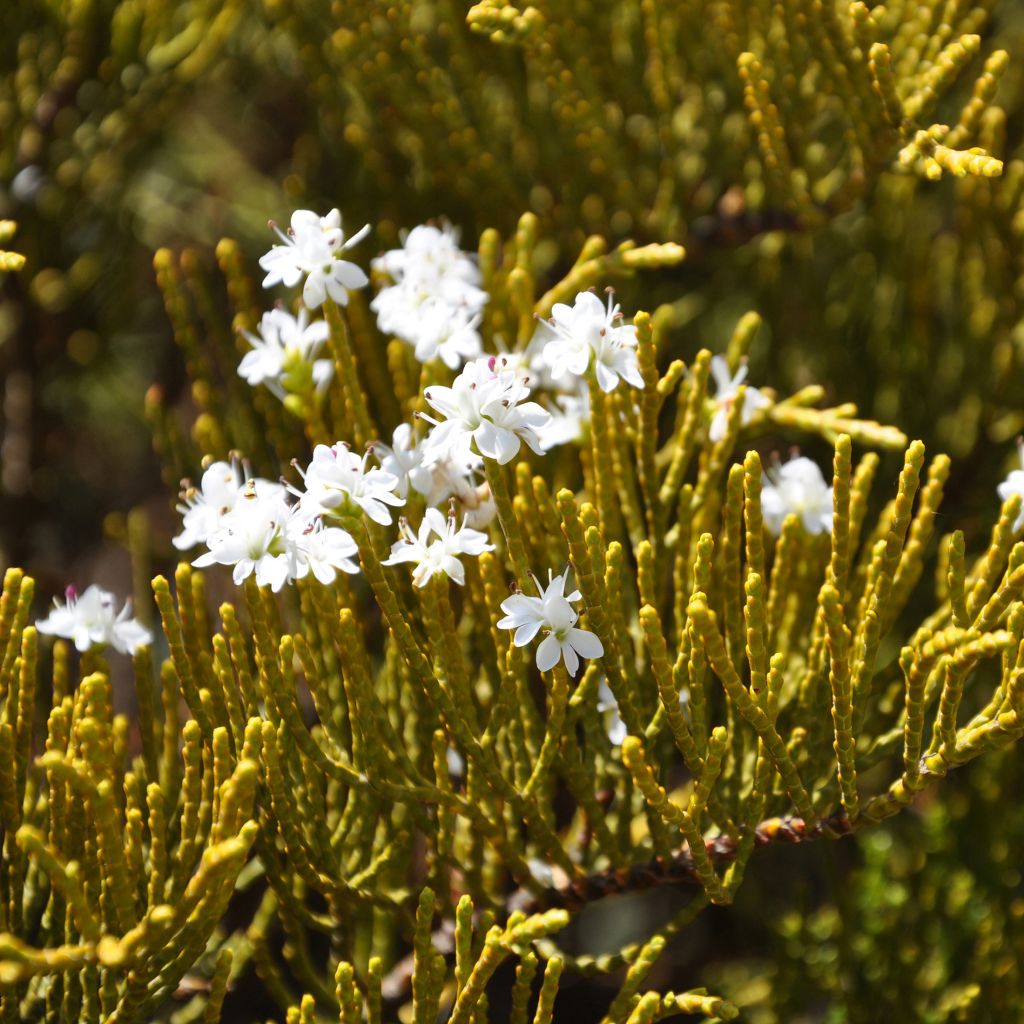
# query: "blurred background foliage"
(753, 132)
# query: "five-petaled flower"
(337, 479)
(89, 620)
(486, 406)
(797, 488)
(440, 555)
(590, 329)
(312, 248)
(552, 613)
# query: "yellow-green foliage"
(791, 146)
(292, 811)
(312, 765)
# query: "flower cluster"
(553, 613)
(312, 248)
(250, 524)
(338, 482)
(436, 302)
(89, 620)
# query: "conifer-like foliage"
(636, 651)
(383, 765)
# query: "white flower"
(337, 476)
(436, 302)
(726, 386)
(440, 555)
(262, 534)
(797, 488)
(437, 475)
(253, 537)
(313, 247)
(553, 613)
(404, 459)
(202, 509)
(1014, 484)
(607, 705)
(431, 255)
(284, 352)
(220, 488)
(614, 726)
(90, 621)
(485, 405)
(542, 872)
(572, 413)
(449, 334)
(320, 550)
(591, 328)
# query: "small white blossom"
(456, 765)
(449, 334)
(726, 386)
(435, 302)
(321, 551)
(614, 726)
(312, 248)
(253, 538)
(437, 476)
(432, 557)
(542, 872)
(284, 351)
(337, 476)
(590, 329)
(552, 613)
(203, 509)
(1014, 484)
(571, 414)
(485, 406)
(90, 621)
(405, 460)
(608, 706)
(797, 488)
(432, 253)
(567, 398)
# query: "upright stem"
(509, 524)
(347, 375)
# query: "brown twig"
(677, 870)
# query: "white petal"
(606, 379)
(313, 292)
(549, 653)
(586, 644)
(572, 662)
(526, 632)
